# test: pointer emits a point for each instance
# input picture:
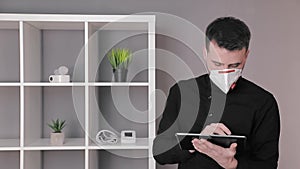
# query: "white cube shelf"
(32, 46)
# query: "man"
(221, 102)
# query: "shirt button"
(210, 114)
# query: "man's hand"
(216, 128)
(223, 156)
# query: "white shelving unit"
(32, 46)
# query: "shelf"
(9, 144)
(76, 17)
(119, 84)
(32, 47)
(141, 143)
(136, 40)
(47, 84)
(49, 45)
(42, 104)
(128, 26)
(112, 159)
(118, 108)
(57, 25)
(54, 159)
(44, 144)
(8, 84)
(78, 84)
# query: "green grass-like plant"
(57, 125)
(120, 58)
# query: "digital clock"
(128, 136)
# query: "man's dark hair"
(229, 33)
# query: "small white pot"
(57, 139)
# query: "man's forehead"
(225, 56)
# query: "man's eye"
(234, 65)
(218, 64)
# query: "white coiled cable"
(106, 136)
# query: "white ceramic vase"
(57, 139)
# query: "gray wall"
(274, 53)
(10, 159)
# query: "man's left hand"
(223, 156)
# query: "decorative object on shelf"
(106, 137)
(120, 59)
(60, 75)
(128, 136)
(57, 136)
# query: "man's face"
(220, 58)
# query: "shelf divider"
(86, 94)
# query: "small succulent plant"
(57, 125)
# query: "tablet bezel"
(229, 139)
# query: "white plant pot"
(57, 139)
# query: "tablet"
(185, 140)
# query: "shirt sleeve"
(165, 147)
(264, 140)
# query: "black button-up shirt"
(246, 110)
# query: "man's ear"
(247, 53)
(246, 56)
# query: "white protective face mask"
(225, 78)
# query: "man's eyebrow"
(238, 63)
(217, 62)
